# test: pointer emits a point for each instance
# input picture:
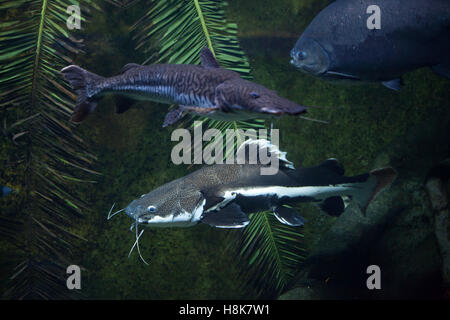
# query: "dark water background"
(134, 151)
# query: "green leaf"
(52, 157)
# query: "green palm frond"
(175, 31)
(35, 104)
(273, 250)
(179, 29)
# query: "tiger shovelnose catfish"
(222, 195)
(205, 89)
(404, 35)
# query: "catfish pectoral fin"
(175, 114)
(229, 217)
(172, 116)
(289, 216)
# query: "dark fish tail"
(331, 172)
(84, 83)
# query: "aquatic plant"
(47, 157)
(175, 32)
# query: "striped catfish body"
(204, 89)
(180, 84)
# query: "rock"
(436, 191)
(438, 195)
(398, 234)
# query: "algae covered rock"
(397, 234)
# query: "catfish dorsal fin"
(261, 144)
(207, 59)
(334, 165)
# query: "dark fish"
(222, 195)
(5, 191)
(339, 45)
(207, 90)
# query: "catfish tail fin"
(377, 181)
(84, 84)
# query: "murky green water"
(133, 152)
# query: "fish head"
(155, 206)
(250, 96)
(163, 207)
(309, 56)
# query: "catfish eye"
(254, 94)
(151, 209)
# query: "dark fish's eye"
(151, 208)
(301, 55)
(254, 94)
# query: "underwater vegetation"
(217, 34)
(41, 156)
(56, 215)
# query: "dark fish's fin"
(378, 180)
(83, 82)
(123, 103)
(395, 84)
(229, 217)
(442, 70)
(129, 66)
(173, 116)
(333, 165)
(334, 206)
(207, 59)
(288, 216)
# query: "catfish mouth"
(136, 212)
(278, 106)
(310, 57)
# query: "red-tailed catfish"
(222, 195)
